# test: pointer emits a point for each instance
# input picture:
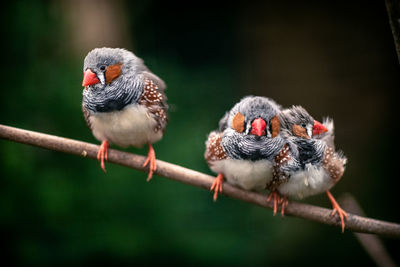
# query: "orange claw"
(102, 154)
(284, 202)
(217, 185)
(151, 161)
(274, 195)
(337, 209)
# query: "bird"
(123, 102)
(308, 164)
(243, 148)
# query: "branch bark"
(322, 215)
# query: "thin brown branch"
(354, 223)
(371, 243)
(393, 9)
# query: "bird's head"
(298, 122)
(256, 116)
(252, 129)
(103, 66)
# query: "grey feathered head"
(248, 129)
(108, 65)
(298, 122)
(243, 115)
(113, 78)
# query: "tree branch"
(393, 9)
(371, 243)
(354, 223)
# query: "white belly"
(311, 181)
(249, 175)
(131, 126)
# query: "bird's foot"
(337, 209)
(284, 202)
(217, 185)
(274, 195)
(102, 154)
(278, 200)
(151, 161)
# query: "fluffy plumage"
(329, 136)
(130, 126)
(123, 101)
(242, 150)
(305, 173)
(314, 164)
(311, 165)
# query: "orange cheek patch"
(275, 126)
(113, 72)
(238, 122)
(300, 131)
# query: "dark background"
(333, 58)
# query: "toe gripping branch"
(151, 161)
(337, 209)
(282, 200)
(102, 154)
(217, 185)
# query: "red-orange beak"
(258, 127)
(89, 78)
(318, 128)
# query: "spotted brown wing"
(334, 163)
(155, 100)
(279, 176)
(214, 149)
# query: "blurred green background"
(334, 58)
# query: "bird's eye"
(102, 67)
(304, 125)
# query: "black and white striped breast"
(250, 147)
